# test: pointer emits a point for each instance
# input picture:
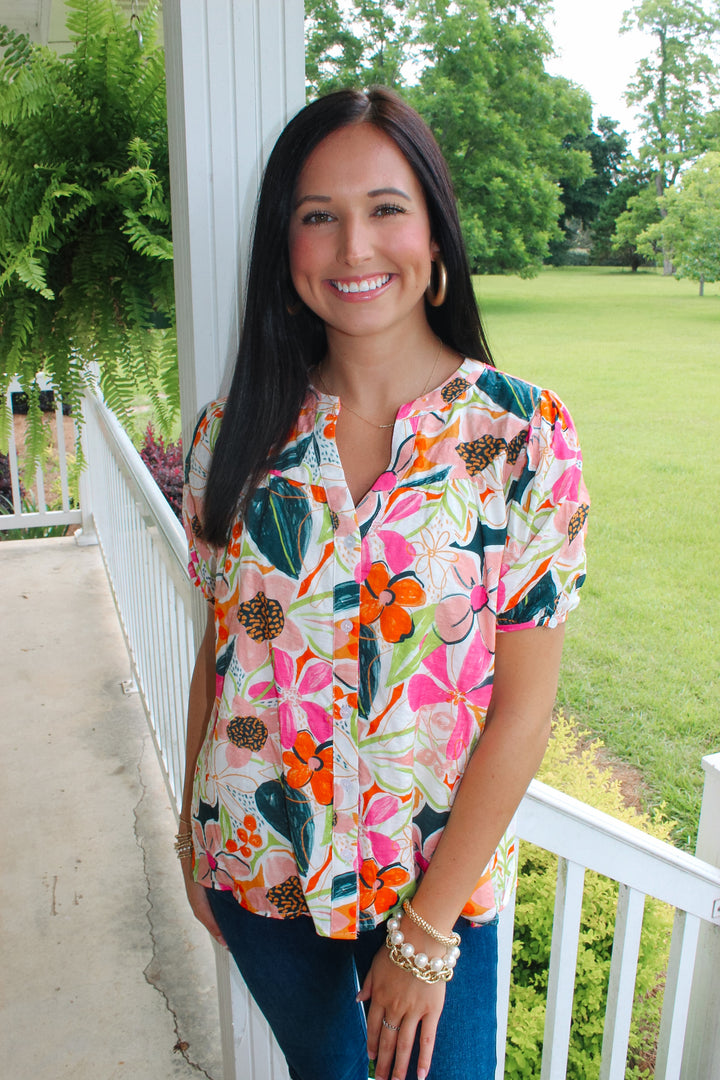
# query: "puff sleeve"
(544, 558)
(202, 557)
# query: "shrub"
(577, 773)
(6, 501)
(165, 462)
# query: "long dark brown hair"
(277, 348)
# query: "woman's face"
(359, 242)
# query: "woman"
(369, 513)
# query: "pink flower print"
(404, 507)
(399, 554)
(466, 692)
(293, 699)
(385, 482)
(382, 808)
(216, 865)
(563, 442)
(567, 486)
(455, 615)
(363, 567)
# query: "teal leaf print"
(513, 395)
(222, 662)
(288, 812)
(537, 605)
(369, 669)
(346, 596)
(344, 885)
(294, 455)
(278, 520)
(426, 481)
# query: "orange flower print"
(378, 886)
(248, 836)
(387, 598)
(307, 762)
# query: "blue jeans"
(305, 985)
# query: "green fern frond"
(85, 238)
(17, 49)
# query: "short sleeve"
(544, 558)
(202, 557)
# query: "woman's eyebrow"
(388, 191)
(312, 198)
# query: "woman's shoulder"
(516, 398)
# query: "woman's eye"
(389, 210)
(316, 217)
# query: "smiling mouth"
(364, 286)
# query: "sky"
(594, 54)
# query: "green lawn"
(636, 357)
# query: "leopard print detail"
(248, 732)
(454, 390)
(577, 521)
(196, 526)
(480, 453)
(334, 521)
(516, 446)
(262, 617)
(288, 898)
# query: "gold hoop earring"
(437, 299)
(294, 309)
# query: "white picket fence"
(144, 551)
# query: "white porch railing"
(24, 513)
(144, 551)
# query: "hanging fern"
(85, 242)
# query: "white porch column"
(701, 1056)
(235, 75)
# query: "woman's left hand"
(403, 1002)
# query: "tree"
(478, 78)
(641, 210)
(674, 86)
(690, 229)
(365, 44)
(502, 123)
(621, 249)
(85, 249)
(607, 148)
(583, 202)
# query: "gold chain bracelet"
(447, 940)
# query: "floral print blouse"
(355, 645)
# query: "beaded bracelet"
(429, 970)
(447, 940)
(184, 845)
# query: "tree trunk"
(702, 285)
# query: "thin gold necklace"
(381, 427)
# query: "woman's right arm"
(200, 705)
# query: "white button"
(345, 710)
(346, 626)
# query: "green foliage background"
(85, 243)
(579, 774)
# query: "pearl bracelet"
(428, 969)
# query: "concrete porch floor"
(106, 975)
